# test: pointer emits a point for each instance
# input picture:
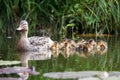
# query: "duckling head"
(23, 26)
(92, 42)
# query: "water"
(44, 63)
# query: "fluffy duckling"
(80, 44)
(90, 46)
(92, 43)
(55, 48)
(101, 45)
(34, 43)
(67, 44)
(67, 50)
(67, 47)
(87, 48)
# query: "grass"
(62, 17)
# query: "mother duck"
(34, 43)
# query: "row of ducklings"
(82, 45)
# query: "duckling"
(92, 43)
(55, 46)
(90, 46)
(34, 43)
(67, 47)
(67, 50)
(102, 46)
(67, 44)
(87, 48)
(80, 44)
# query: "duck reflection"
(20, 71)
(25, 57)
(41, 55)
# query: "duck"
(55, 46)
(80, 44)
(92, 43)
(102, 45)
(87, 48)
(67, 44)
(90, 46)
(55, 49)
(67, 47)
(34, 43)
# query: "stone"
(89, 78)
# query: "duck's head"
(92, 42)
(23, 26)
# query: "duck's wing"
(40, 41)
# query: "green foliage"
(88, 16)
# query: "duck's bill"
(19, 28)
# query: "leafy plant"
(88, 16)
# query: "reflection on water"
(80, 54)
(25, 57)
(24, 70)
(41, 55)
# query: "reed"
(62, 17)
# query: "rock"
(89, 78)
(112, 78)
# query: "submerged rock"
(84, 75)
(72, 75)
(9, 70)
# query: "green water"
(109, 61)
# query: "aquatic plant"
(64, 18)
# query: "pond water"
(46, 61)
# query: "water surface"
(48, 62)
